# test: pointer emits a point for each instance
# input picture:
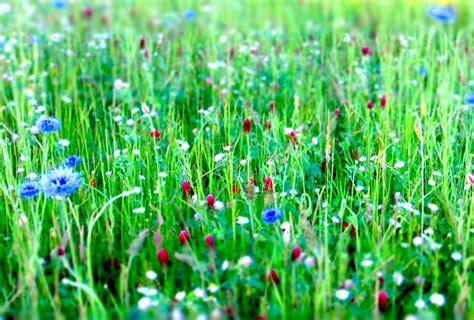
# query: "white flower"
(420, 304)
(342, 294)
(118, 118)
(137, 190)
(359, 188)
(151, 275)
(108, 173)
(246, 261)
(243, 162)
(437, 299)
(218, 205)
(417, 241)
(433, 207)
(146, 303)
(285, 226)
(398, 278)
(200, 293)
(309, 261)
(32, 176)
(130, 122)
(456, 256)
(185, 146)
(136, 152)
(162, 174)
(119, 84)
(139, 210)
(314, 141)
(227, 148)
(431, 182)
(64, 142)
(242, 220)
(218, 157)
(399, 164)
(335, 219)
(225, 265)
(213, 288)
(367, 263)
(180, 296)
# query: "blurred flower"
(29, 189)
(73, 161)
(469, 98)
(272, 215)
(48, 124)
(60, 182)
(342, 294)
(242, 220)
(383, 300)
(437, 299)
(190, 15)
(246, 261)
(442, 13)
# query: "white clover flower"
(185, 146)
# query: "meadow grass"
(376, 203)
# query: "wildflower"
(433, 207)
(272, 106)
(210, 200)
(163, 256)
(337, 112)
(437, 299)
(245, 261)
(370, 105)
(342, 294)
(309, 262)
(296, 253)
(29, 189)
(273, 276)
(247, 125)
(219, 157)
(383, 100)
(60, 182)
(469, 98)
(73, 161)
(184, 237)
(142, 42)
(383, 300)
(186, 187)
(242, 220)
(272, 215)
(398, 278)
(180, 296)
(268, 124)
(139, 210)
(268, 184)
(420, 304)
(399, 164)
(189, 15)
(88, 12)
(218, 205)
(211, 243)
(456, 256)
(48, 124)
(151, 275)
(366, 50)
(155, 134)
(442, 13)
(61, 251)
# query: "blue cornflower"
(190, 15)
(73, 161)
(60, 182)
(442, 13)
(272, 215)
(48, 124)
(60, 4)
(423, 71)
(469, 98)
(29, 189)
